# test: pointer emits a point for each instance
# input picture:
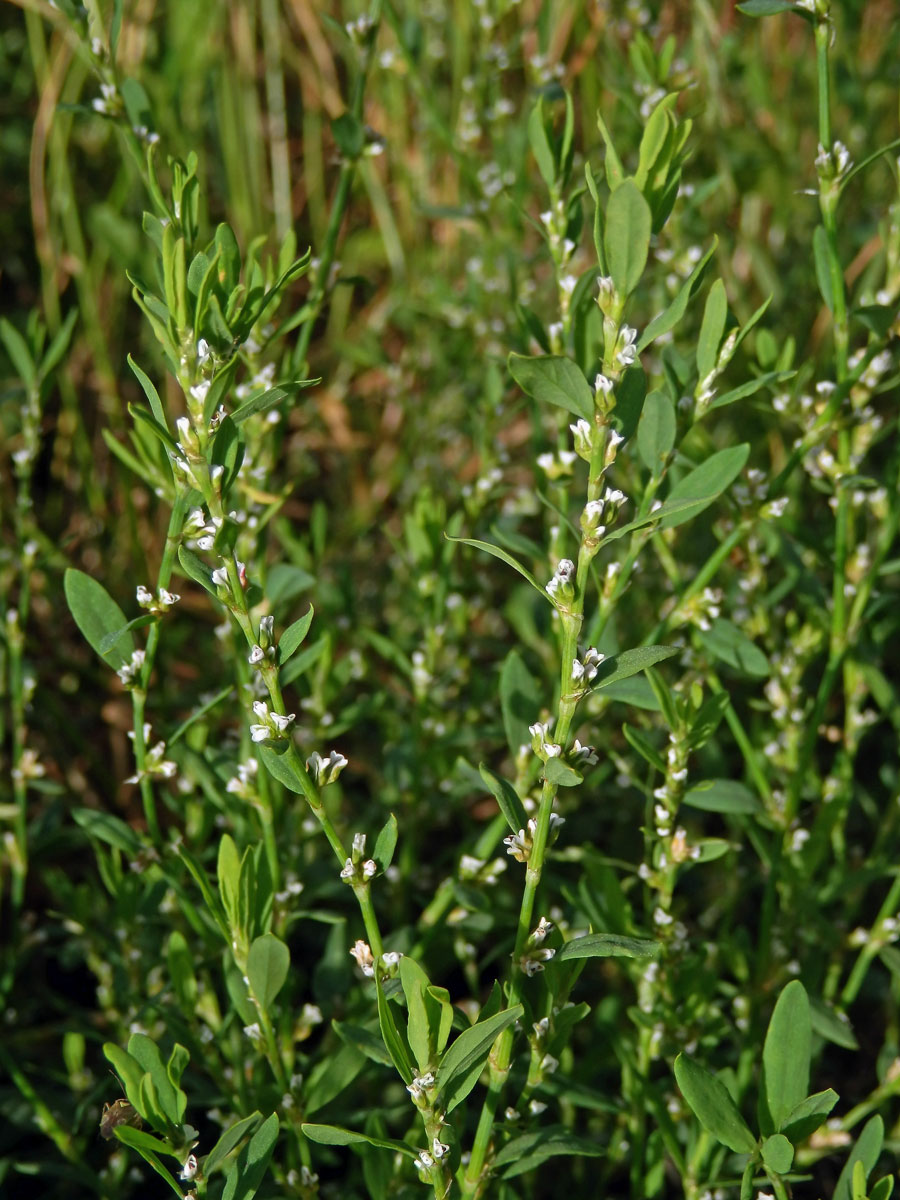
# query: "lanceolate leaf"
(627, 236)
(334, 1135)
(630, 662)
(267, 967)
(786, 1055)
(497, 552)
(98, 616)
(704, 484)
(713, 1106)
(553, 379)
(607, 945)
(471, 1047)
(507, 797)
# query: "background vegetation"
(430, 266)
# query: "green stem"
(320, 288)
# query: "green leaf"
(331, 1075)
(822, 259)
(627, 236)
(553, 379)
(270, 399)
(418, 1030)
(281, 767)
(519, 700)
(726, 642)
(157, 428)
(139, 1139)
(713, 1106)
(231, 1138)
(507, 797)
(171, 1100)
(724, 796)
(528, 1151)
(97, 616)
(195, 568)
(455, 1076)
(129, 1072)
(656, 432)
(750, 388)
(670, 316)
(644, 747)
(19, 354)
(540, 143)
(809, 1114)
(778, 1153)
(615, 172)
(292, 638)
(883, 1189)
(703, 485)
(267, 966)
(245, 1176)
(715, 315)
(497, 552)
(785, 1060)
(228, 872)
(829, 1025)
(365, 1040)
(386, 843)
(180, 962)
(630, 662)
(558, 772)
(334, 1135)
(391, 1036)
(629, 401)
(124, 1135)
(108, 828)
(349, 134)
(607, 945)
(866, 1150)
(766, 8)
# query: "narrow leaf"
(386, 843)
(713, 1106)
(97, 616)
(497, 552)
(822, 259)
(785, 1060)
(553, 379)
(507, 797)
(267, 967)
(703, 485)
(334, 1135)
(292, 638)
(607, 945)
(630, 662)
(866, 1150)
(627, 236)
(724, 796)
(231, 1138)
(470, 1048)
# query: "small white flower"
(199, 390)
(602, 384)
(257, 654)
(626, 351)
(369, 868)
(144, 595)
(364, 959)
(189, 1170)
(220, 577)
(439, 1148)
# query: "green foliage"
(339, 858)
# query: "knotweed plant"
(508, 805)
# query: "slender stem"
(321, 282)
